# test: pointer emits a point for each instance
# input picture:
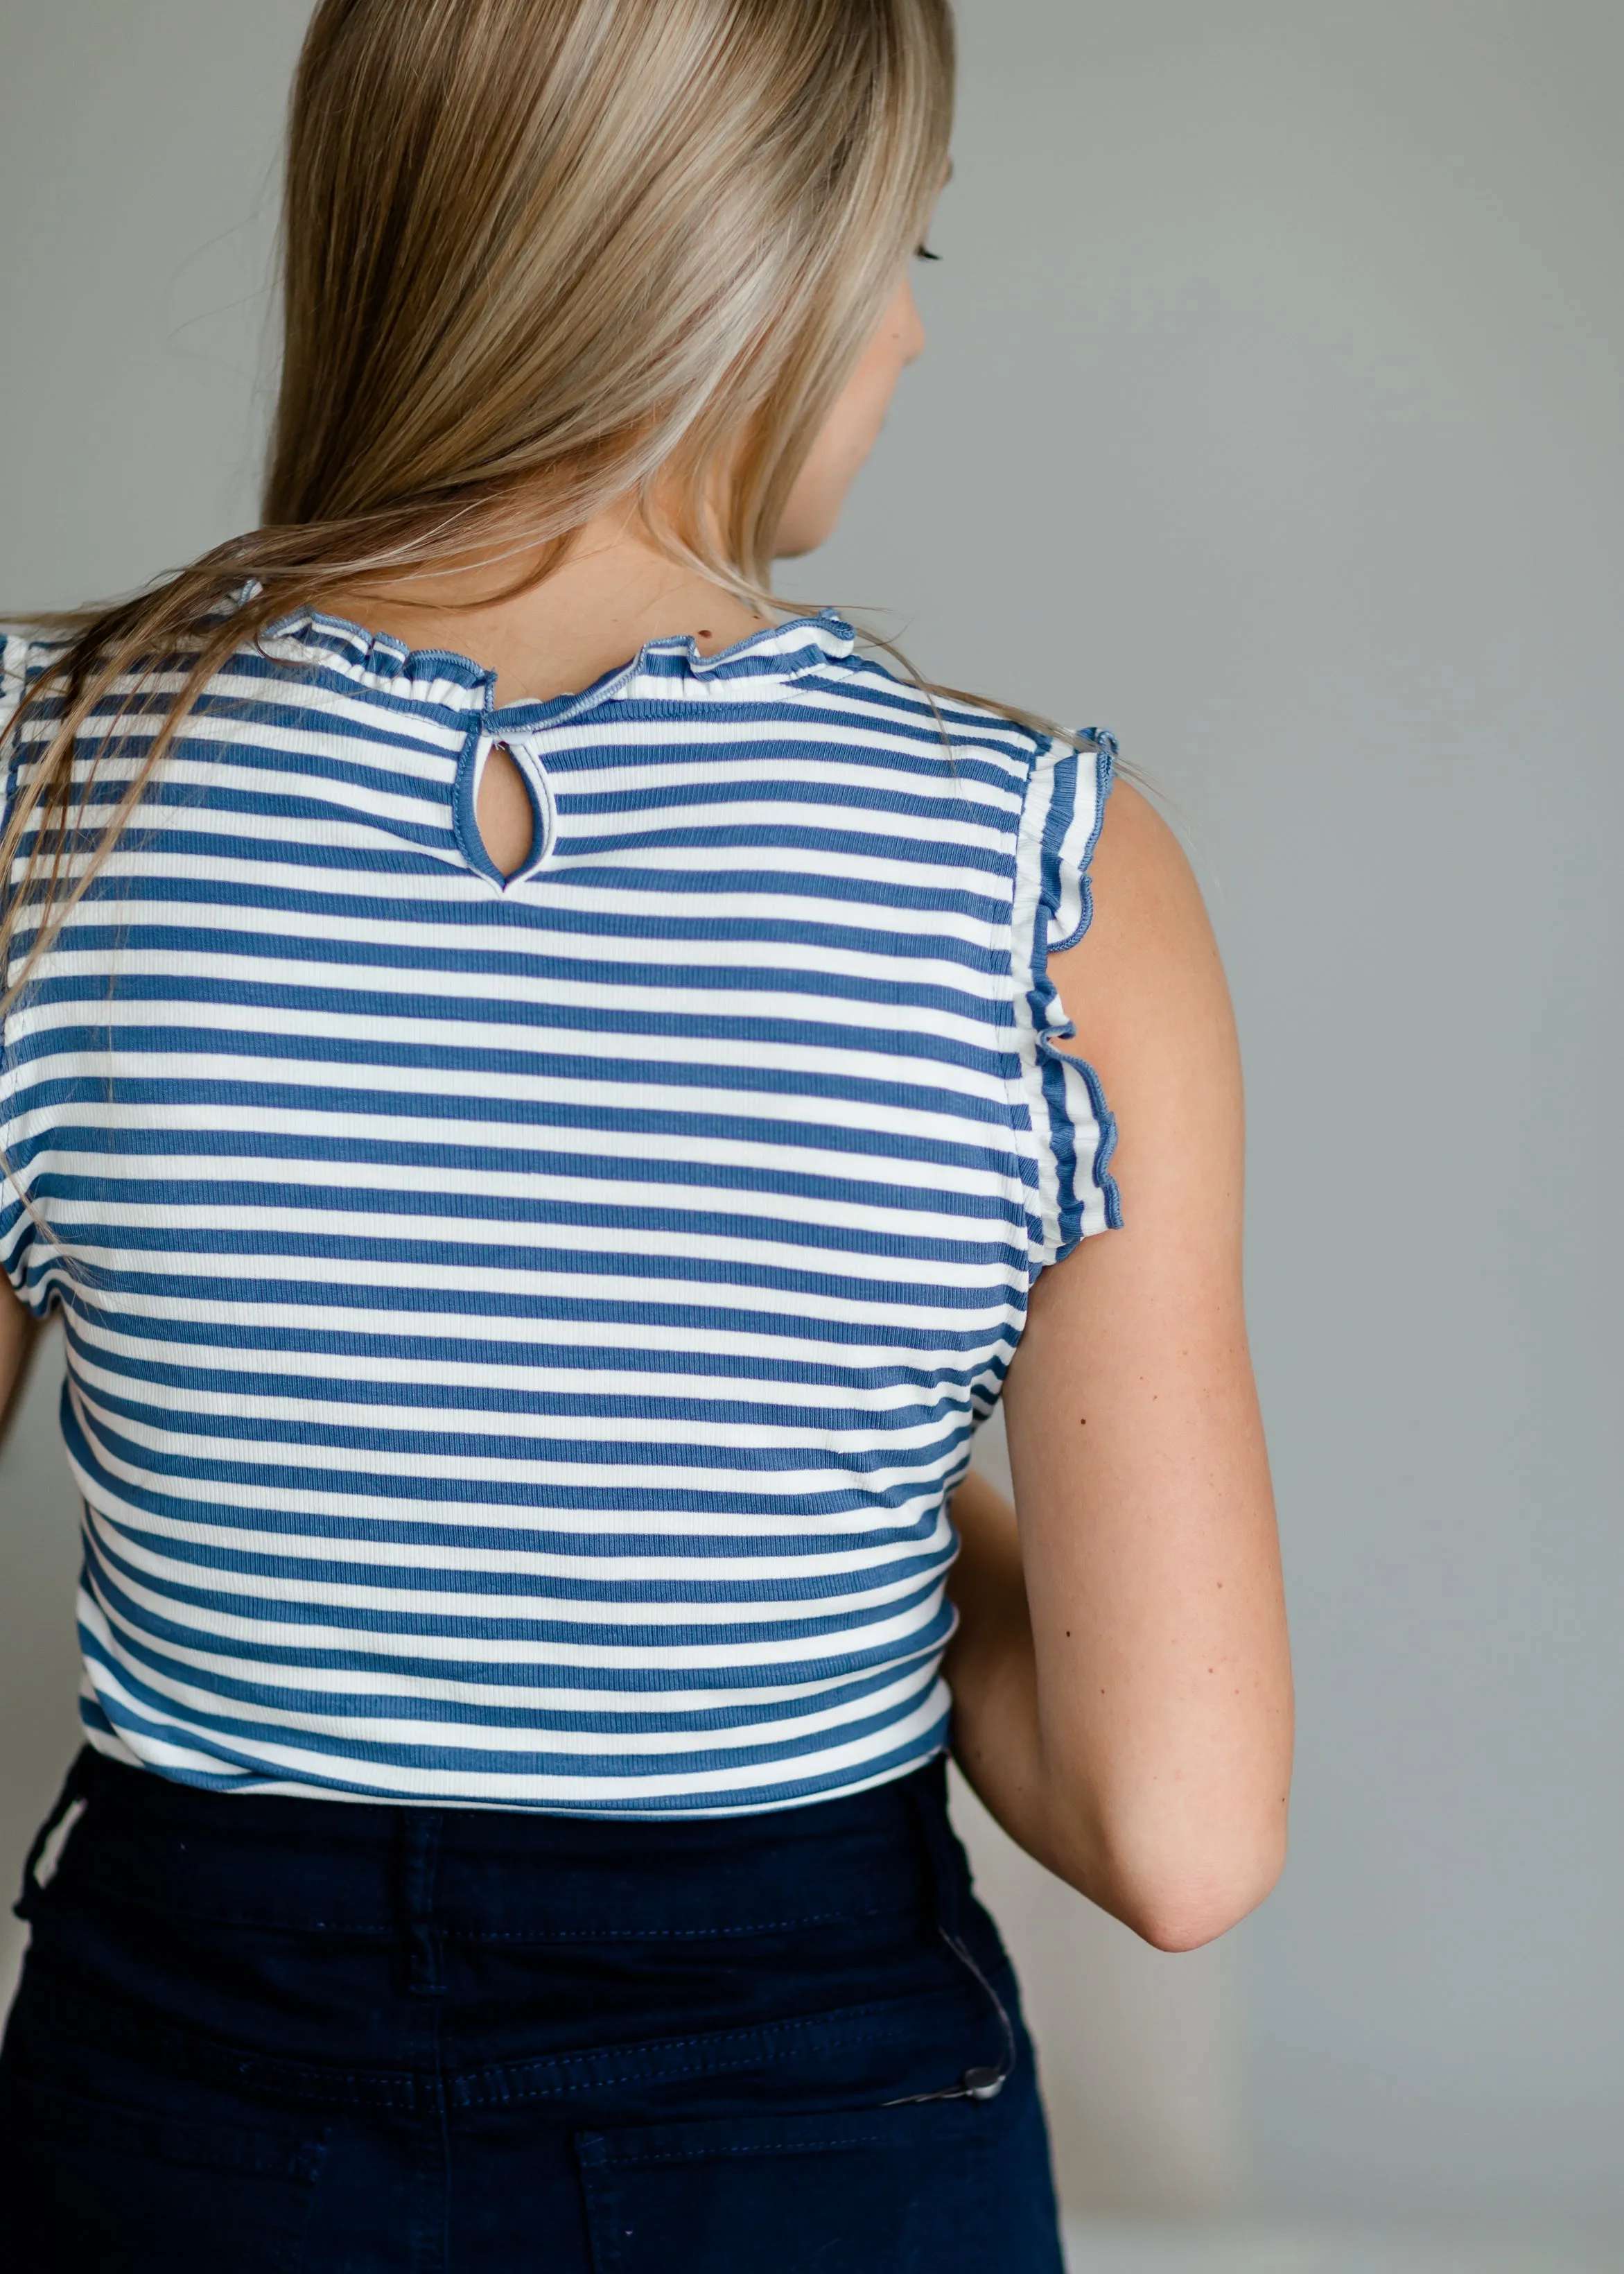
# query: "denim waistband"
(350, 1867)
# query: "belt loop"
(425, 1975)
(928, 1791)
(76, 1787)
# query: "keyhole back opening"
(505, 811)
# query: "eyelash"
(923, 252)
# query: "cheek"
(847, 438)
(820, 488)
(853, 430)
(813, 507)
(861, 413)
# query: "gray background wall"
(1272, 418)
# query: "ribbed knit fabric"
(522, 1334)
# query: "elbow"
(1188, 1901)
(1179, 1920)
(1179, 1895)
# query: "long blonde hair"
(538, 256)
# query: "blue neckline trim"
(779, 652)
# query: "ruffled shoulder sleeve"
(1072, 1194)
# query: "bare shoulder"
(1150, 945)
(1146, 992)
(1145, 892)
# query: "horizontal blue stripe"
(295, 1003)
(144, 1145)
(351, 1108)
(135, 1043)
(777, 1792)
(153, 1641)
(222, 1564)
(459, 1212)
(818, 1423)
(160, 1333)
(843, 1627)
(893, 990)
(540, 918)
(654, 1719)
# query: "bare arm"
(19, 1336)
(1121, 1677)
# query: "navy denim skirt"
(259, 2034)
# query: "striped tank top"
(522, 1334)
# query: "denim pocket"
(88, 2187)
(946, 2187)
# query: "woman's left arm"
(19, 1335)
(1121, 1678)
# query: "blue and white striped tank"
(522, 1335)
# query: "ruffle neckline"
(781, 651)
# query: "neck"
(613, 592)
